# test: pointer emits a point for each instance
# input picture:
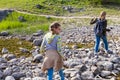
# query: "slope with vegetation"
(56, 7)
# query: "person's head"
(102, 15)
(55, 28)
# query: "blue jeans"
(97, 43)
(50, 74)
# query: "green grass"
(4, 25)
(31, 24)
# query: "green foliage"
(4, 25)
(94, 2)
(14, 44)
(111, 1)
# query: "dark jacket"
(104, 24)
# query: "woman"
(100, 30)
(53, 56)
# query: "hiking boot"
(96, 55)
(109, 52)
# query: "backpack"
(99, 28)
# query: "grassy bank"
(30, 24)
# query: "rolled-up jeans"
(50, 74)
(97, 43)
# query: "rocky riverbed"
(78, 48)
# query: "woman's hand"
(108, 30)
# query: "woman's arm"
(106, 26)
(94, 20)
(59, 45)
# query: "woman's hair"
(103, 13)
(54, 25)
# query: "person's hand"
(108, 30)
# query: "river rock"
(115, 60)
(4, 33)
(1, 74)
(38, 58)
(39, 6)
(18, 75)
(77, 77)
(105, 73)
(71, 72)
(4, 50)
(10, 56)
(87, 75)
(7, 72)
(29, 74)
(3, 66)
(15, 69)
(106, 65)
(24, 50)
(83, 68)
(9, 78)
(35, 52)
(96, 70)
(28, 79)
(37, 42)
(38, 78)
(21, 18)
(2, 60)
(38, 33)
(71, 63)
(30, 38)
